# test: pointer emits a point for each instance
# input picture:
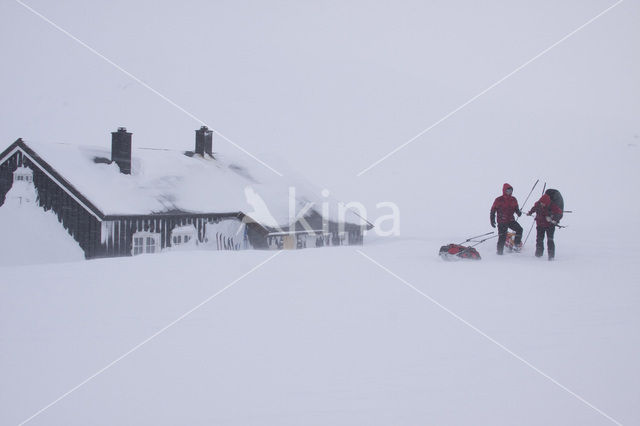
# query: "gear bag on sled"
(457, 252)
(510, 245)
(556, 198)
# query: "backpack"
(456, 252)
(556, 198)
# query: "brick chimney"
(121, 149)
(204, 141)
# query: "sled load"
(510, 244)
(457, 252)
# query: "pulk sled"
(458, 251)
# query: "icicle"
(103, 233)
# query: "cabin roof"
(166, 181)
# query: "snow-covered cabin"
(129, 201)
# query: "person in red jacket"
(505, 207)
(547, 216)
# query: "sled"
(457, 252)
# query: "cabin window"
(145, 242)
(150, 246)
(138, 245)
(183, 235)
(23, 174)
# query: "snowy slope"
(323, 337)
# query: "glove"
(554, 222)
(548, 218)
(519, 213)
(493, 224)
(529, 214)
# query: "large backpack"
(556, 198)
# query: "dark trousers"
(551, 246)
(502, 234)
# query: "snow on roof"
(163, 181)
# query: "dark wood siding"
(119, 230)
(74, 217)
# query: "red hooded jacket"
(505, 206)
(544, 208)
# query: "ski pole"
(477, 236)
(482, 241)
(526, 199)
(528, 233)
(477, 243)
(531, 229)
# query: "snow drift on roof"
(164, 181)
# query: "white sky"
(331, 86)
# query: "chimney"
(121, 149)
(204, 141)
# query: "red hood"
(505, 187)
(545, 199)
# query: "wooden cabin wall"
(79, 223)
(330, 232)
(257, 236)
(6, 175)
(316, 222)
(119, 230)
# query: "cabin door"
(289, 242)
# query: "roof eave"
(53, 174)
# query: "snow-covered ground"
(325, 336)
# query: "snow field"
(322, 337)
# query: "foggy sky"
(329, 87)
